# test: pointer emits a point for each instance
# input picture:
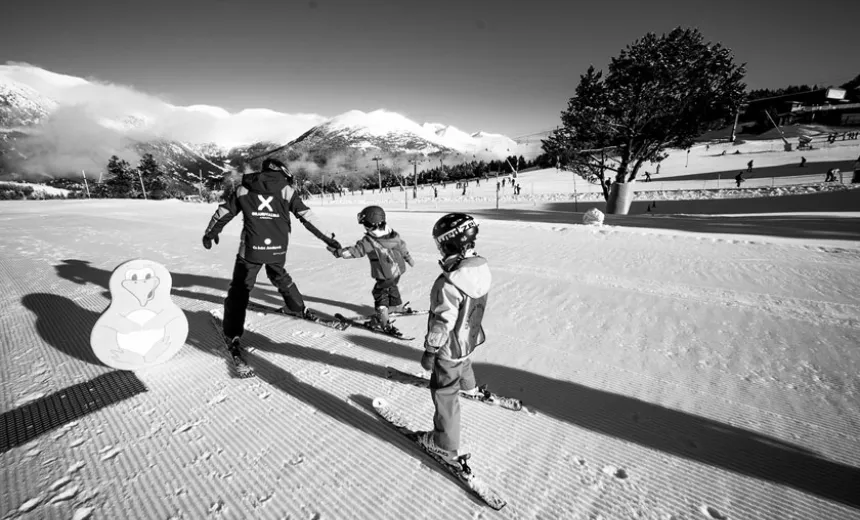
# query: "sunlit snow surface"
(671, 366)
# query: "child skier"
(388, 257)
(457, 303)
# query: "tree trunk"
(620, 198)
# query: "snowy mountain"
(379, 130)
(57, 124)
(21, 105)
(390, 132)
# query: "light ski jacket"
(265, 200)
(458, 300)
(386, 251)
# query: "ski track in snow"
(719, 382)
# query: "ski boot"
(450, 457)
(309, 314)
(379, 320)
(234, 349)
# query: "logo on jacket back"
(265, 203)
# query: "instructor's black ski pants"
(244, 277)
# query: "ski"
(464, 473)
(483, 394)
(407, 313)
(242, 368)
(367, 326)
(267, 309)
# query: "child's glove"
(428, 359)
(334, 251)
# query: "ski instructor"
(265, 199)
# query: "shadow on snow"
(633, 420)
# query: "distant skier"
(750, 166)
(388, 257)
(265, 199)
(803, 162)
(647, 176)
(458, 300)
(739, 178)
(856, 177)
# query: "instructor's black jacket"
(265, 200)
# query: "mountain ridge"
(128, 122)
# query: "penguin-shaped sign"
(142, 326)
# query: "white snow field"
(671, 367)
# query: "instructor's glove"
(207, 241)
(428, 359)
(334, 251)
(331, 243)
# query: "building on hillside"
(825, 106)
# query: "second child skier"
(458, 300)
(388, 257)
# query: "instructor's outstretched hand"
(207, 241)
(331, 243)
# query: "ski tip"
(379, 402)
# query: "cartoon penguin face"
(141, 283)
(142, 326)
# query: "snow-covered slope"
(673, 375)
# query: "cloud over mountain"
(146, 116)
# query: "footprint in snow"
(67, 494)
(32, 453)
(83, 513)
(618, 473)
(110, 454)
(60, 482)
(712, 512)
(29, 505)
(220, 398)
(77, 442)
(296, 460)
(185, 427)
(74, 468)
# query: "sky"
(500, 66)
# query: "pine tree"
(122, 178)
(154, 178)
